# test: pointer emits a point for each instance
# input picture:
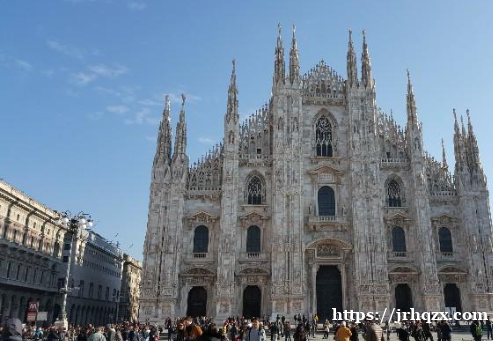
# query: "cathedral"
(319, 200)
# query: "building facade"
(95, 279)
(30, 255)
(130, 290)
(319, 200)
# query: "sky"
(82, 83)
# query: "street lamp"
(75, 224)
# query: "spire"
(163, 150)
(352, 72)
(181, 131)
(294, 59)
(444, 156)
(279, 67)
(366, 74)
(458, 150)
(412, 115)
(232, 109)
(472, 143)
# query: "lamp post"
(74, 224)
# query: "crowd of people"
(240, 329)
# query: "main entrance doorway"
(403, 297)
(329, 291)
(197, 302)
(452, 296)
(252, 300)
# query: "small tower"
(279, 66)
(414, 133)
(352, 72)
(294, 60)
(366, 73)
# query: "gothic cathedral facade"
(319, 200)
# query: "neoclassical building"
(319, 200)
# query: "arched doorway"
(452, 296)
(252, 301)
(403, 297)
(329, 291)
(197, 302)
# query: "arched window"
(201, 239)
(398, 239)
(253, 239)
(394, 194)
(254, 191)
(323, 137)
(445, 240)
(326, 201)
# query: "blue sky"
(82, 83)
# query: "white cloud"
(205, 140)
(150, 103)
(97, 71)
(142, 117)
(137, 5)
(117, 109)
(67, 50)
(106, 71)
(176, 98)
(23, 65)
(82, 78)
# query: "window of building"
(254, 191)
(323, 137)
(394, 194)
(201, 239)
(253, 239)
(107, 294)
(398, 239)
(65, 259)
(66, 246)
(100, 291)
(91, 290)
(81, 288)
(9, 268)
(445, 240)
(326, 201)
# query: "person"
(402, 333)
(192, 330)
(445, 331)
(180, 331)
(476, 330)
(12, 330)
(326, 329)
(427, 331)
(299, 333)
(38, 334)
(98, 335)
(110, 333)
(354, 332)
(133, 335)
(343, 332)
(274, 331)
(53, 335)
(255, 333)
(489, 329)
(374, 332)
(287, 331)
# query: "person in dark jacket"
(12, 330)
(445, 331)
(354, 332)
(53, 335)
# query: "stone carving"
(328, 250)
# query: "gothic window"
(394, 194)
(201, 239)
(398, 239)
(254, 191)
(445, 240)
(326, 201)
(253, 239)
(323, 137)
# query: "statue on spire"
(352, 72)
